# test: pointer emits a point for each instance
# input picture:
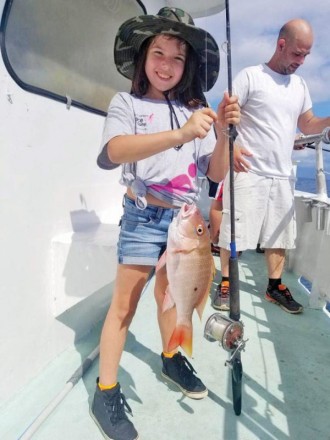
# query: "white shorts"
(264, 213)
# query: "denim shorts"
(143, 233)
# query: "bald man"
(274, 101)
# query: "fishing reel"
(228, 332)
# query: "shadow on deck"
(286, 377)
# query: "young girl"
(162, 134)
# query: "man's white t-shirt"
(271, 104)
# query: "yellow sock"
(107, 387)
(169, 355)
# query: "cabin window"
(63, 49)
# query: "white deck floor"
(286, 379)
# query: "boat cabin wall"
(58, 223)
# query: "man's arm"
(308, 123)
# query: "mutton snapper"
(190, 270)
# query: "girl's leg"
(129, 284)
(166, 320)
(176, 367)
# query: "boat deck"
(286, 378)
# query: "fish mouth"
(187, 209)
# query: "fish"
(190, 270)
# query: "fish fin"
(201, 305)
(161, 262)
(182, 336)
(168, 301)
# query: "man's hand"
(301, 146)
(240, 164)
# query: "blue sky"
(254, 26)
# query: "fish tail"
(182, 336)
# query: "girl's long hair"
(187, 92)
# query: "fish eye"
(200, 230)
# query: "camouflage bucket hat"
(173, 21)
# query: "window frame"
(35, 89)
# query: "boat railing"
(315, 141)
(308, 259)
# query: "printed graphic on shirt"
(181, 184)
(142, 122)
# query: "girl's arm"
(131, 148)
(134, 147)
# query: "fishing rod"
(234, 299)
(229, 331)
(313, 147)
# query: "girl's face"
(164, 65)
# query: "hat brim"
(135, 31)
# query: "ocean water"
(309, 184)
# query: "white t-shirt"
(271, 104)
(172, 175)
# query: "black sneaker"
(179, 371)
(221, 299)
(282, 296)
(108, 412)
(260, 250)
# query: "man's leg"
(275, 259)
(224, 258)
(277, 292)
(280, 237)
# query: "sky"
(254, 27)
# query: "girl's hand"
(228, 112)
(199, 124)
